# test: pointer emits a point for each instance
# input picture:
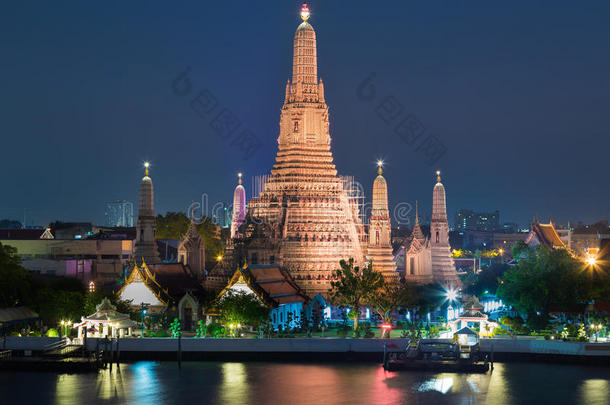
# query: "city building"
(304, 219)
(468, 220)
(119, 214)
(222, 216)
(100, 260)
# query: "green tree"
(175, 328)
(355, 287)
(392, 296)
(242, 308)
(174, 225)
(487, 279)
(544, 278)
(14, 279)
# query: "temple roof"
(168, 282)
(270, 283)
(544, 234)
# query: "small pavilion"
(105, 322)
(474, 319)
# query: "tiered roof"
(272, 285)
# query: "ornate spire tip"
(380, 166)
(239, 175)
(304, 12)
(146, 166)
(438, 176)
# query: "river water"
(321, 384)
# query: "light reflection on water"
(328, 384)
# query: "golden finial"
(304, 12)
(146, 166)
(239, 175)
(380, 167)
(438, 176)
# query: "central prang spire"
(305, 219)
(304, 60)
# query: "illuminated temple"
(380, 229)
(304, 218)
(429, 259)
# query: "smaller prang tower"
(146, 245)
(380, 238)
(191, 250)
(443, 267)
(239, 208)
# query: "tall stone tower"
(191, 251)
(146, 245)
(443, 267)
(304, 219)
(380, 241)
(239, 208)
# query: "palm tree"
(354, 287)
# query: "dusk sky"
(517, 92)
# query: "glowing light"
(304, 12)
(219, 258)
(386, 326)
(591, 261)
(146, 165)
(91, 286)
(380, 163)
(451, 294)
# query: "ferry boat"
(460, 354)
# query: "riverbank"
(333, 349)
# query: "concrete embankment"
(320, 349)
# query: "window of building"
(412, 266)
(437, 237)
(254, 258)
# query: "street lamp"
(143, 313)
(451, 294)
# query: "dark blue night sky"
(517, 92)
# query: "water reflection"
(294, 384)
(442, 385)
(595, 391)
(234, 386)
(145, 386)
(110, 385)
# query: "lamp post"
(143, 313)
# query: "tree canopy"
(242, 308)
(174, 225)
(14, 279)
(355, 287)
(551, 278)
(392, 296)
